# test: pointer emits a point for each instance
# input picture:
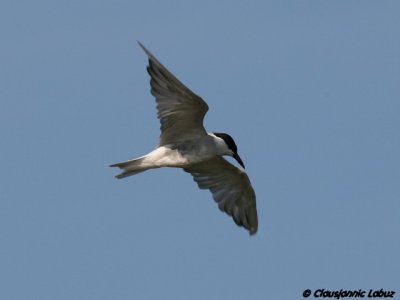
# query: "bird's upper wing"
(181, 112)
(230, 187)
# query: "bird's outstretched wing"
(231, 189)
(181, 112)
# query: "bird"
(184, 143)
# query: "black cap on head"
(231, 145)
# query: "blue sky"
(309, 90)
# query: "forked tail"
(131, 167)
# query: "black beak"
(238, 159)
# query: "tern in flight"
(184, 143)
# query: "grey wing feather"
(231, 189)
(181, 112)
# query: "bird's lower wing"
(231, 189)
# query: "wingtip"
(148, 53)
(140, 44)
(252, 231)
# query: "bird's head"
(231, 146)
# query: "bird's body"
(178, 156)
(184, 143)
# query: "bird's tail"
(131, 167)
